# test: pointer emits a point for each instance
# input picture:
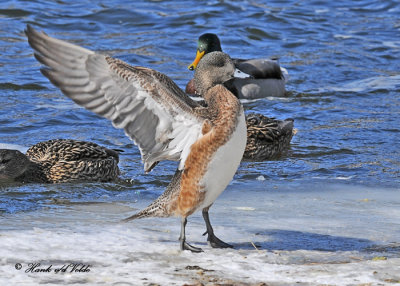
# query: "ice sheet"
(337, 235)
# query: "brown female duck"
(267, 138)
(59, 161)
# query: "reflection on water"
(343, 92)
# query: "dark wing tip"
(34, 37)
(28, 30)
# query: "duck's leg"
(182, 239)
(214, 241)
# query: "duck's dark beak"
(199, 55)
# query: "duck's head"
(206, 43)
(215, 68)
(12, 164)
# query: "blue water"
(343, 58)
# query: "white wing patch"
(187, 133)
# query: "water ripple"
(343, 91)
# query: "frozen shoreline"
(344, 236)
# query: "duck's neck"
(223, 106)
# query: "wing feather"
(153, 111)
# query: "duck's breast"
(224, 163)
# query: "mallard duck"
(161, 119)
(254, 78)
(267, 138)
(59, 161)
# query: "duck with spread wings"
(208, 141)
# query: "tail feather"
(159, 207)
(153, 210)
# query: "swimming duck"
(161, 119)
(59, 161)
(267, 138)
(254, 78)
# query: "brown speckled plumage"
(267, 138)
(61, 160)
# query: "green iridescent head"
(206, 43)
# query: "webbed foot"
(182, 238)
(215, 242)
(187, 246)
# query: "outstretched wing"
(154, 112)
